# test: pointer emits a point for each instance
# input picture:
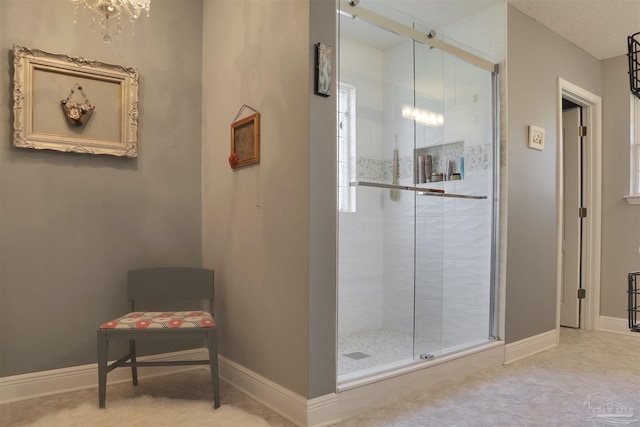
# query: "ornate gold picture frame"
(72, 104)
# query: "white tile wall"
(448, 273)
(398, 311)
(464, 323)
(360, 272)
(429, 278)
(465, 282)
(359, 313)
(429, 321)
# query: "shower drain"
(357, 355)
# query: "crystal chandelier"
(106, 11)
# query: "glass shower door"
(376, 227)
(454, 233)
(415, 185)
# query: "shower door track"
(352, 9)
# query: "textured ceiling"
(599, 27)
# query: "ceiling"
(599, 27)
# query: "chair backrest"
(170, 284)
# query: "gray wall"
(322, 213)
(535, 59)
(72, 225)
(256, 218)
(620, 222)
(269, 229)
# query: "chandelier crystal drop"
(107, 11)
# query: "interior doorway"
(572, 158)
(589, 229)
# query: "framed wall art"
(322, 84)
(245, 141)
(72, 104)
(536, 137)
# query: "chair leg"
(134, 365)
(103, 350)
(213, 362)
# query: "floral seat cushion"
(159, 319)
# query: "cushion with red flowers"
(158, 319)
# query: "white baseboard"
(322, 411)
(530, 346)
(617, 325)
(45, 383)
(285, 402)
(290, 405)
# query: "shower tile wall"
(452, 265)
(399, 227)
(452, 236)
(360, 270)
(466, 263)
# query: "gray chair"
(157, 286)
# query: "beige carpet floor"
(569, 385)
(146, 411)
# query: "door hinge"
(582, 131)
(582, 293)
(582, 212)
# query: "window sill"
(633, 200)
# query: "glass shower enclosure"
(417, 200)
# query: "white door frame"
(592, 116)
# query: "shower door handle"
(422, 190)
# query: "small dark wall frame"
(322, 84)
(245, 140)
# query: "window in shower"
(346, 147)
(415, 260)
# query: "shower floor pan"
(364, 351)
